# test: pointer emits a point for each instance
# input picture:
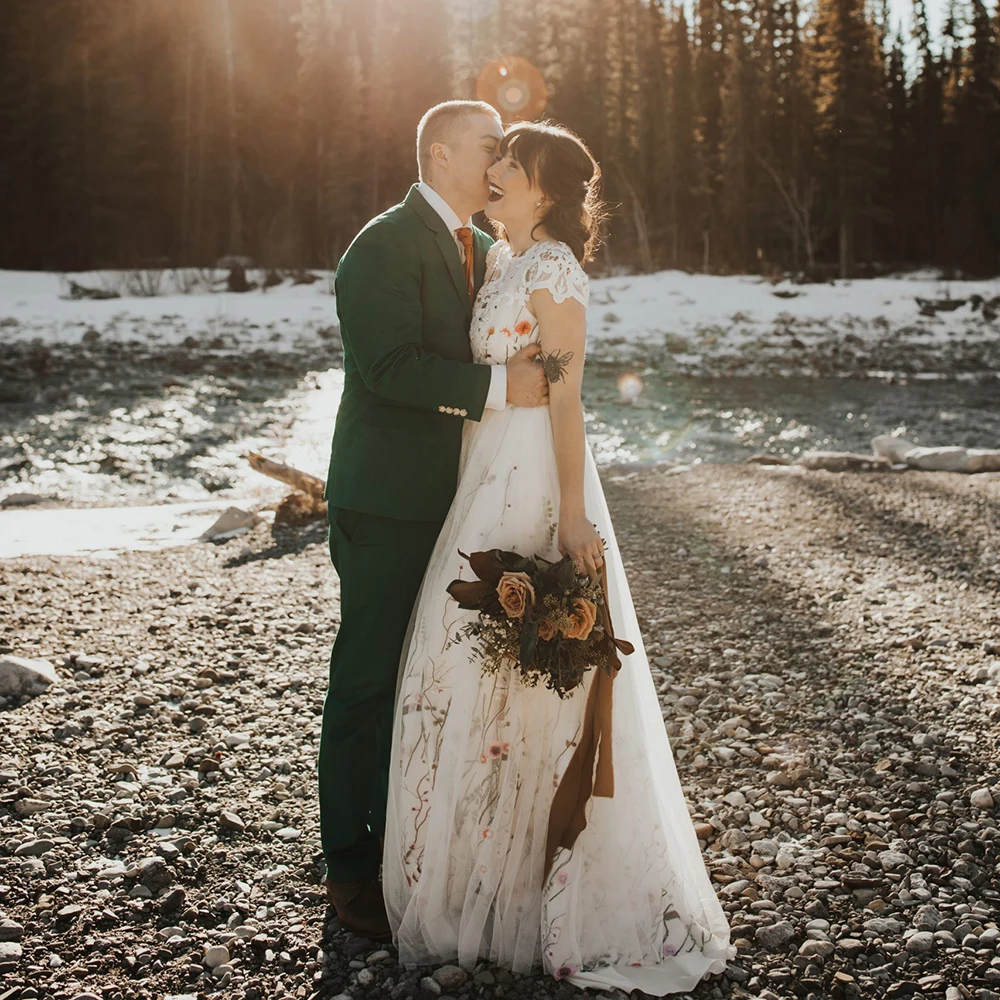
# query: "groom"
(405, 290)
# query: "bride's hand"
(578, 538)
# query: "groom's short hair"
(437, 125)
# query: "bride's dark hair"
(558, 163)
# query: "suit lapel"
(446, 244)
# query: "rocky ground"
(827, 651)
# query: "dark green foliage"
(177, 131)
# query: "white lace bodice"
(502, 322)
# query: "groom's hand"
(526, 381)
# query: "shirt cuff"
(496, 399)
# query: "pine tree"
(655, 178)
(709, 65)
(974, 238)
(22, 100)
(736, 144)
(181, 130)
(898, 175)
(330, 132)
(927, 130)
(681, 160)
(850, 105)
(416, 69)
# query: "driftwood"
(77, 291)
(892, 454)
(842, 461)
(931, 307)
(899, 451)
(305, 503)
(827, 461)
(990, 307)
(298, 480)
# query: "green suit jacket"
(409, 379)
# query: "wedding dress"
(476, 758)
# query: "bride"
(476, 759)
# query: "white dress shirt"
(496, 399)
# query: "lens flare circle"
(630, 386)
(514, 87)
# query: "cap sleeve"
(555, 269)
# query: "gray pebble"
(215, 955)
(450, 977)
(775, 935)
(11, 930)
(816, 949)
(920, 943)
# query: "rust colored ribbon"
(464, 234)
(580, 780)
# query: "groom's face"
(474, 147)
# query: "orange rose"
(516, 593)
(582, 619)
(546, 630)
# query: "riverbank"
(828, 658)
(683, 324)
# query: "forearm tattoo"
(555, 365)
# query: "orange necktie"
(464, 234)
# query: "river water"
(726, 420)
(139, 431)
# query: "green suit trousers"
(381, 562)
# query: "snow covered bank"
(302, 440)
(701, 324)
(103, 531)
(691, 324)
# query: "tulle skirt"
(476, 759)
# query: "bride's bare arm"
(563, 338)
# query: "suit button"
(463, 413)
(441, 409)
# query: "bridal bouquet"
(543, 617)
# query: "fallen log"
(931, 307)
(948, 459)
(296, 478)
(842, 461)
(77, 291)
(305, 503)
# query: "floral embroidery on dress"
(476, 759)
(510, 281)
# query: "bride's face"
(514, 201)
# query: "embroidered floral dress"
(476, 759)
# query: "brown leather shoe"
(360, 907)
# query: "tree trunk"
(185, 234)
(235, 222)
